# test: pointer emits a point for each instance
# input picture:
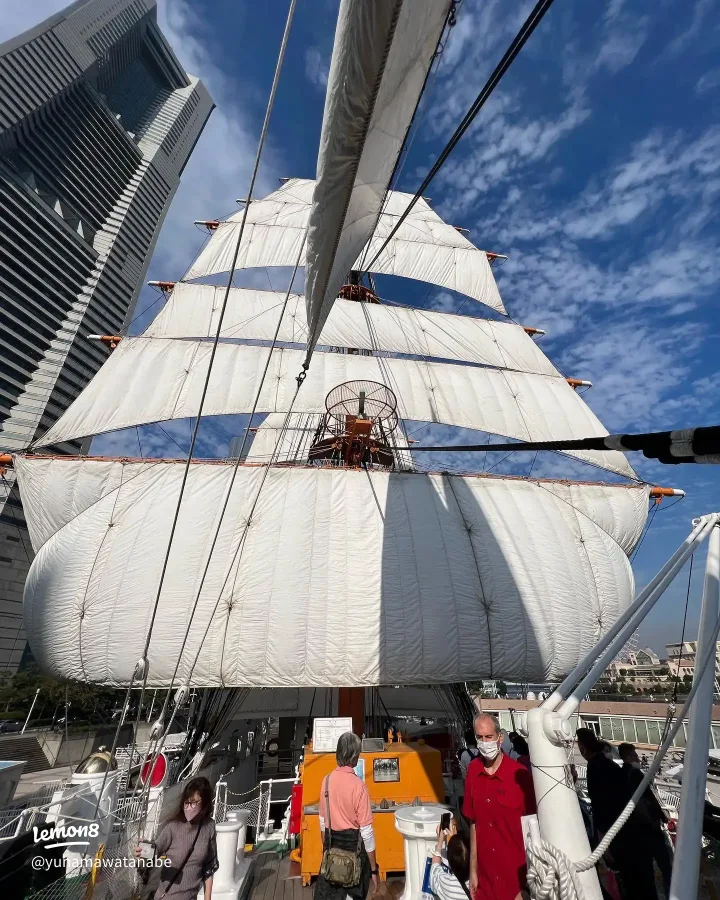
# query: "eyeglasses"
(193, 803)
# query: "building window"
(716, 737)
(617, 729)
(642, 732)
(605, 728)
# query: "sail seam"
(90, 575)
(483, 598)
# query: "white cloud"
(623, 35)
(316, 68)
(219, 169)
(696, 23)
(708, 82)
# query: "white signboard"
(327, 731)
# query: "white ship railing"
(257, 801)
(29, 810)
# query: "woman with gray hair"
(346, 821)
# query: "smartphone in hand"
(445, 821)
(146, 849)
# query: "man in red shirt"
(498, 792)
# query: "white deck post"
(558, 809)
(686, 867)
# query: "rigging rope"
(644, 534)
(223, 308)
(216, 340)
(530, 24)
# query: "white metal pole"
(32, 707)
(558, 808)
(686, 866)
(570, 706)
(664, 577)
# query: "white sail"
(515, 404)
(381, 57)
(424, 248)
(295, 437)
(345, 578)
(193, 310)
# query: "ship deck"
(278, 878)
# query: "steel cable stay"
(156, 751)
(158, 741)
(141, 667)
(645, 531)
(672, 706)
(530, 24)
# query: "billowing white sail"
(504, 402)
(424, 248)
(381, 57)
(193, 310)
(345, 577)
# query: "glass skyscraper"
(97, 121)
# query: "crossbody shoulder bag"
(339, 867)
(176, 874)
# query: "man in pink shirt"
(348, 820)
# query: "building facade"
(97, 121)
(640, 669)
(642, 724)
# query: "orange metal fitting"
(657, 493)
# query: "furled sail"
(499, 401)
(424, 248)
(381, 57)
(193, 311)
(346, 577)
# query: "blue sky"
(595, 166)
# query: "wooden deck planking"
(278, 879)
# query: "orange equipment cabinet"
(416, 770)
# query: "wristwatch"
(376, 870)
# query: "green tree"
(501, 688)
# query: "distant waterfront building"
(97, 121)
(682, 659)
(641, 668)
(638, 723)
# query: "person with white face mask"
(498, 793)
